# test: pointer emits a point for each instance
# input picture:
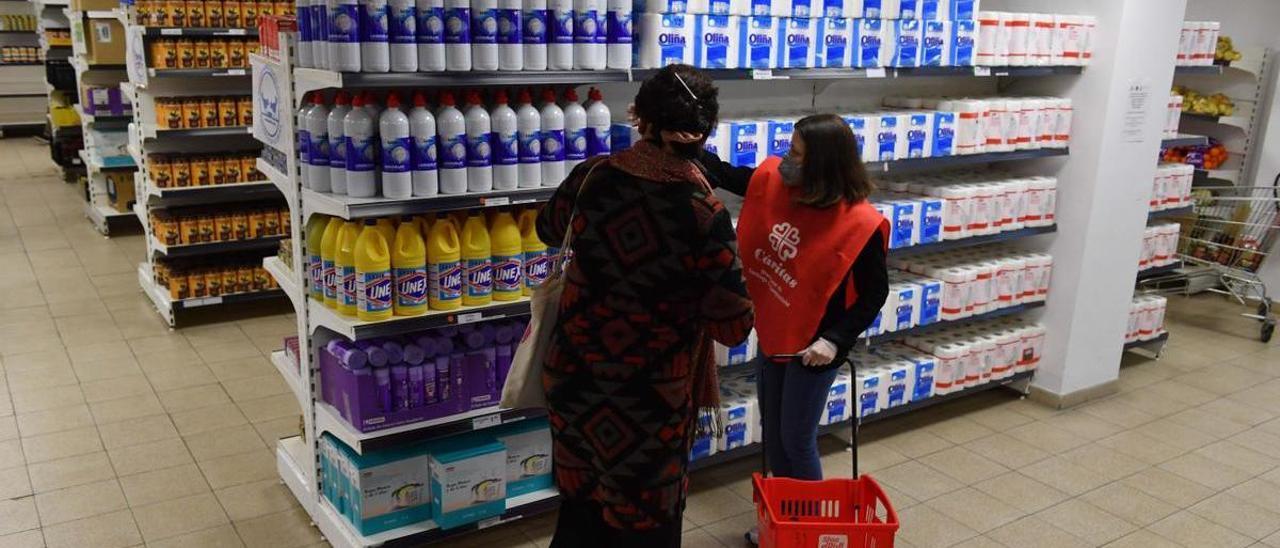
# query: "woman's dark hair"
(832, 170)
(665, 104)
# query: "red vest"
(795, 256)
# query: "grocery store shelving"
(290, 372)
(208, 194)
(293, 460)
(1199, 69)
(150, 131)
(285, 278)
(972, 241)
(169, 308)
(1154, 345)
(329, 420)
(346, 207)
(354, 329)
(160, 32)
(1018, 381)
(1171, 213)
(1183, 140)
(197, 73)
(104, 217)
(1152, 272)
(209, 248)
(917, 164)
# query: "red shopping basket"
(833, 513)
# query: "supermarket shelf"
(191, 195)
(1229, 175)
(104, 14)
(754, 449)
(150, 131)
(102, 217)
(1238, 121)
(292, 376)
(95, 119)
(347, 207)
(169, 307)
(153, 32)
(329, 420)
(1200, 69)
(1152, 272)
(32, 31)
(292, 461)
(966, 159)
(1175, 212)
(338, 531)
(973, 241)
(844, 73)
(196, 73)
(1183, 140)
(309, 78)
(1154, 345)
(95, 163)
(287, 280)
(353, 329)
(748, 367)
(279, 180)
(33, 64)
(196, 250)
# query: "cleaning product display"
(206, 224)
(1198, 43)
(194, 170)
(387, 382)
(953, 285)
(925, 209)
(202, 53)
(1159, 246)
(208, 13)
(1172, 187)
(364, 150)
(105, 101)
(203, 112)
(197, 281)
(1146, 318)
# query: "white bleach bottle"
(552, 140)
(375, 53)
(560, 39)
(457, 34)
(397, 151)
(360, 132)
(344, 36)
(371, 104)
(302, 9)
(575, 131)
(338, 142)
(402, 15)
(430, 35)
(599, 119)
(479, 145)
(451, 126)
(587, 22)
(422, 127)
(529, 134)
(318, 128)
(304, 140)
(320, 33)
(618, 34)
(534, 34)
(510, 43)
(506, 147)
(484, 34)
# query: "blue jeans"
(792, 398)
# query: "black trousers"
(581, 525)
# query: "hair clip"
(686, 86)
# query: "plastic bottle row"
(964, 205)
(973, 281)
(1171, 188)
(999, 124)
(454, 481)
(463, 35)
(1159, 245)
(926, 10)
(381, 383)
(1197, 42)
(379, 267)
(355, 147)
(974, 354)
(1146, 318)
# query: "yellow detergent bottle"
(315, 263)
(328, 253)
(508, 256)
(387, 227)
(477, 258)
(345, 268)
(444, 266)
(423, 223)
(409, 268)
(537, 263)
(373, 274)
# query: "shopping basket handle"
(853, 405)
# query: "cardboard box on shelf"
(105, 42)
(120, 190)
(87, 5)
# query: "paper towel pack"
(797, 48)
(870, 40)
(758, 41)
(717, 38)
(665, 39)
(835, 39)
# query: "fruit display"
(1203, 157)
(1194, 102)
(1226, 52)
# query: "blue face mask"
(791, 170)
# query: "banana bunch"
(1226, 51)
(1194, 102)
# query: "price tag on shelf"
(207, 301)
(231, 72)
(982, 71)
(171, 32)
(487, 421)
(471, 317)
(496, 201)
(232, 32)
(877, 72)
(762, 74)
(489, 522)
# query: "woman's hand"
(820, 353)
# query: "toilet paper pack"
(898, 387)
(718, 141)
(717, 38)
(919, 133)
(729, 7)
(935, 44)
(779, 136)
(907, 37)
(665, 39)
(758, 41)
(963, 9)
(797, 45)
(858, 125)
(739, 418)
(888, 134)
(840, 8)
(963, 42)
(880, 9)
(835, 36)
(746, 142)
(944, 133)
(934, 10)
(660, 6)
(870, 39)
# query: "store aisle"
(116, 431)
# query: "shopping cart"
(834, 513)
(1230, 234)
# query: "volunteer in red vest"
(813, 253)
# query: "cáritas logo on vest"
(785, 240)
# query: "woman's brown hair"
(831, 171)
(679, 98)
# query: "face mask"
(791, 170)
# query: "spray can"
(422, 128)
(479, 147)
(506, 148)
(452, 146)
(397, 151)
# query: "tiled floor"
(116, 431)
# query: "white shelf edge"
(281, 181)
(329, 420)
(292, 375)
(286, 279)
(290, 454)
(322, 316)
(153, 291)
